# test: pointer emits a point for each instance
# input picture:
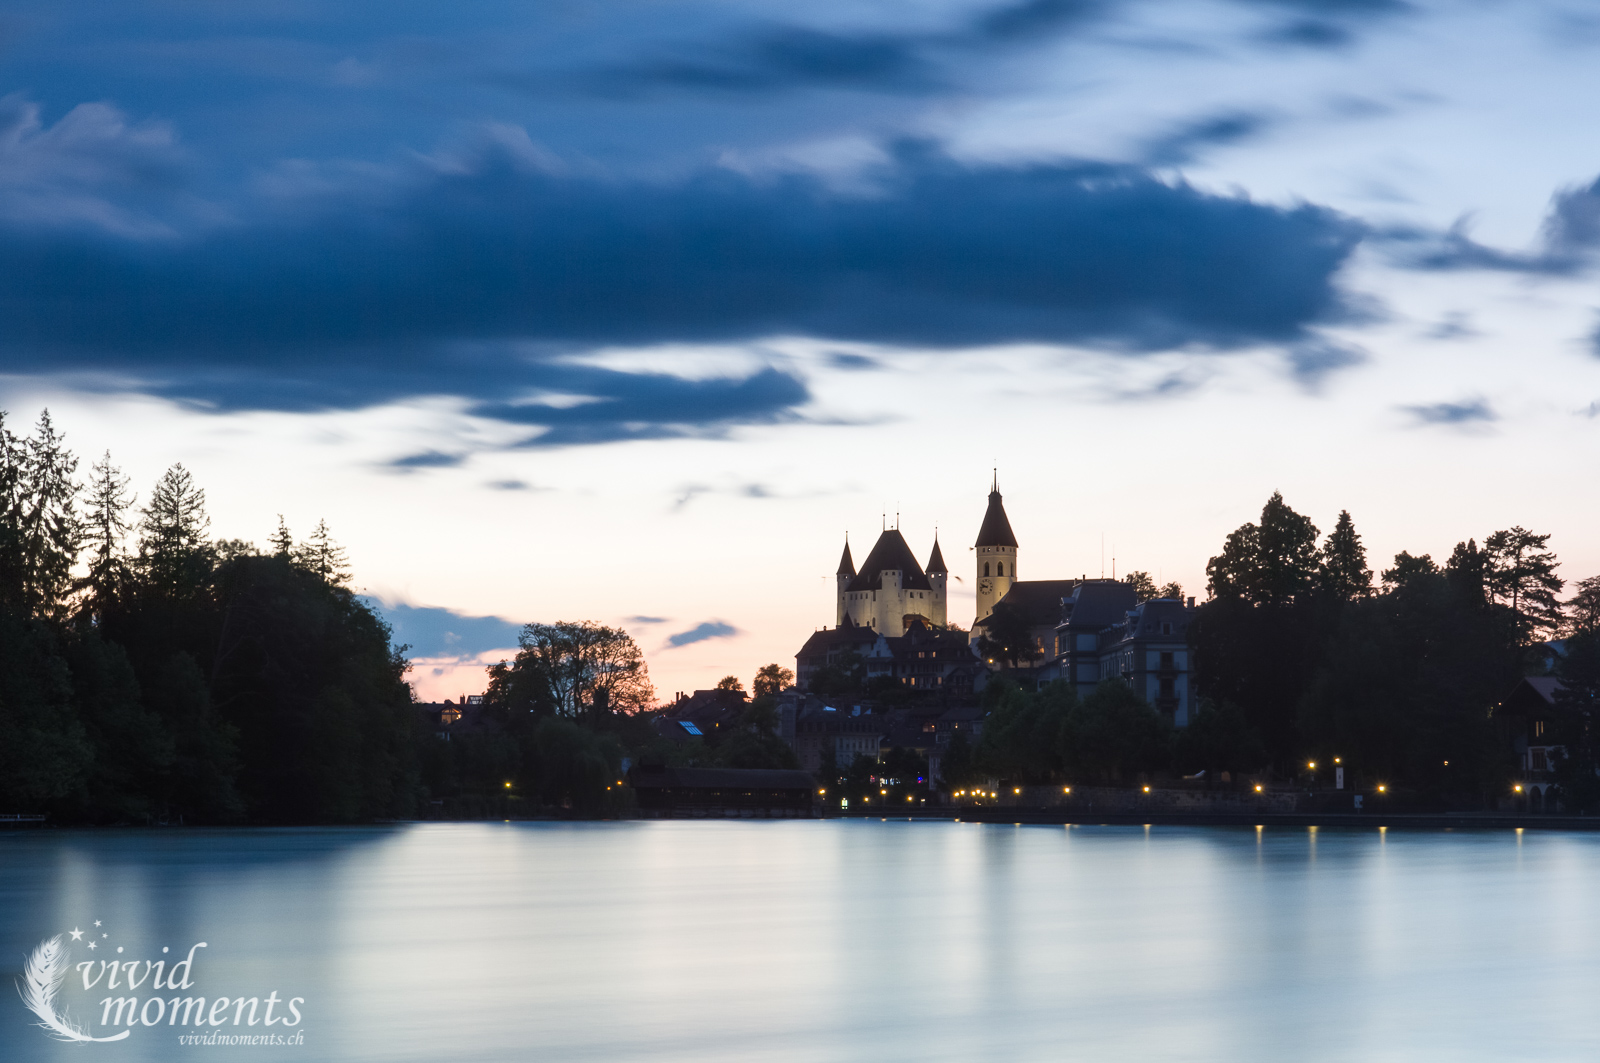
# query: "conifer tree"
(12, 569)
(50, 526)
(173, 550)
(104, 530)
(1519, 572)
(282, 542)
(1344, 561)
(320, 554)
(1584, 607)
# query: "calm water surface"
(838, 940)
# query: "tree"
(1519, 572)
(1344, 562)
(1219, 739)
(771, 679)
(1172, 591)
(322, 556)
(730, 682)
(1273, 562)
(1144, 588)
(51, 530)
(104, 531)
(1583, 608)
(560, 668)
(174, 555)
(282, 542)
(1008, 636)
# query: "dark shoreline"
(1338, 820)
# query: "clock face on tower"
(985, 586)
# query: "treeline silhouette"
(150, 674)
(1300, 657)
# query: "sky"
(630, 311)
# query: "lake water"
(828, 941)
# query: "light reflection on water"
(841, 940)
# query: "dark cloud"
(1310, 33)
(1312, 361)
(512, 485)
(1185, 143)
(1466, 413)
(845, 360)
(434, 632)
(1569, 238)
(784, 57)
(711, 629)
(428, 459)
(780, 58)
(485, 279)
(651, 406)
(647, 620)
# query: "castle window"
(1000, 568)
(986, 568)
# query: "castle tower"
(846, 573)
(937, 575)
(995, 555)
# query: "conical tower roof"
(890, 552)
(936, 561)
(996, 530)
(847, 567)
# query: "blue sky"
(627, 311)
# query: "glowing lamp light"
(1016, 789)
(1336, 760)
(883, 791)
(1147, 789)
(1312, 765)
(1066, 789)
(1382, 788)
(1518, 788)
(1258, 788)
(508, 786)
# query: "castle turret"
(937, 575)
(847, 572)
(995, 555)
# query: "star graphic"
(97, 922)
(76, 933)
(105, 935)
(93, 944)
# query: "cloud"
(1456, 325)
(647, 620)
(513, 485)
(488, 277)
(1467, 413)
(785, 57)
(653, 406)
(711, 629)
(428, 459)
(1313, 361)
(846, 360)
(434, 632)
(1184, 144)
(1569, 238)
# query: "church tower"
(937, 575)
(847, 572)
(995, 554)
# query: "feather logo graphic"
(41, 980)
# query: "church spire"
(936, 559)
(996, 529)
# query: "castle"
(891, 590)
(892, 624)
